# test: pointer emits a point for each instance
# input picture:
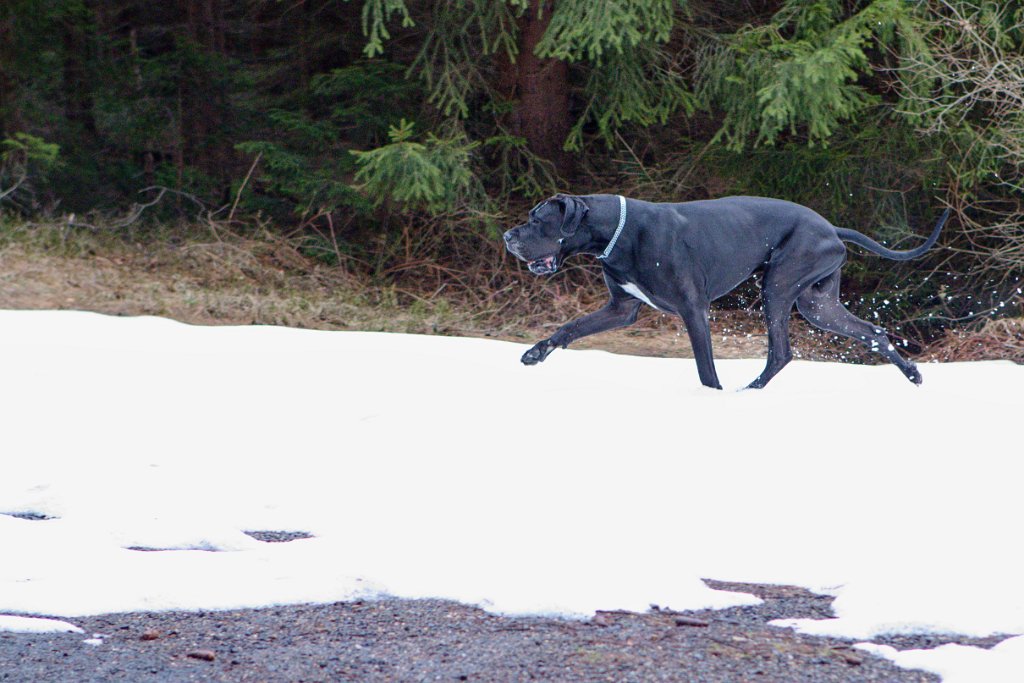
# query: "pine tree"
(800, 73)
(616, 46)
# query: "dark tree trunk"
(541, 89)
(203, 98)
(303, 36)
(148, 158)
(7, 117)
(77, 86)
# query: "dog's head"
(543, 240)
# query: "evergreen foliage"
(641, 86)
(449, 62)
(801, 72)
(379, 115)
(434, 174)
(376, 14)
(583, 30)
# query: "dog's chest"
(634, 291)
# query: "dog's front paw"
(538, 353)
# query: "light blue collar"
(618, 230)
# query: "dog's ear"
(575, 211)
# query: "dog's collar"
(618, 230)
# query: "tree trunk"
(7, 117)
(148, 158)
(541, 89)
(203, 98)
(77, 86)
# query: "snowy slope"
(430, 466)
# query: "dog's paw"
(913, 375)
(538, 353)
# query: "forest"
(393, 140)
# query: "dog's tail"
(863, 240)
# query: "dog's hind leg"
(821, 306)
(794, 268)
(778, 303)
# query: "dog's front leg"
(699, 329)
(618, 313)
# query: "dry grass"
(218, 277)
(992, 340)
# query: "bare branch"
(13, 188)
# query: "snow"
(442, 467)
(960, 663)
(18, 624)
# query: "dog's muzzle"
(545, 265)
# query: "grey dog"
(680, 257)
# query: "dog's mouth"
(544, 265)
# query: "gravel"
(420, 640)
(278, 536)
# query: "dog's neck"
(600, 224)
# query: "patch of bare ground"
(415, 640)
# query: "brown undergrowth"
(218, 276)
(991, 340)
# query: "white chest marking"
(634, 291)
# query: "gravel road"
(433, 640)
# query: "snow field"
(441, 467)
